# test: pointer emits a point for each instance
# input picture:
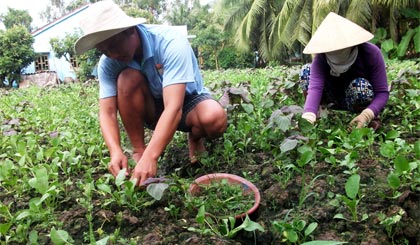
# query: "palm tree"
(281, 28)
(298, 20)
(392, 14)
(179, 13)
(248, 21)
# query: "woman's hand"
(362, 119)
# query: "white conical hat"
(334, 33)
(103, 20)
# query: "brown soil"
(154, 225)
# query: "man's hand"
(145, 168)
(118, 162)
(362, 119)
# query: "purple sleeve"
(316, 84)
(373, 69)
(378, 78)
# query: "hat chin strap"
(341, 60)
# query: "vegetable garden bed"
(316, 183)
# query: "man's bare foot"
(196, 147)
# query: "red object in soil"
(231, 178)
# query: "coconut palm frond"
(283, 16)
(393, 7)
(320, 9)
(298, 25)
(266, 39)
(398, 4)
(360, 12)
(331, 5)
(274, 30)
(251, 23)
(281, 26)
(233, 11)
(303, 31)
(264, 43)
(258, 8)
(254, 15)
(241, 35)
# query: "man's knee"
(130, 81)
(214, 122)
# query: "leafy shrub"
(230, 58)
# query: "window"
(41, 63)
(73, 61)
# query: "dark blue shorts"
(190, 102)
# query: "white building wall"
(57, 29)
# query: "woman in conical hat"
(347, 72)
